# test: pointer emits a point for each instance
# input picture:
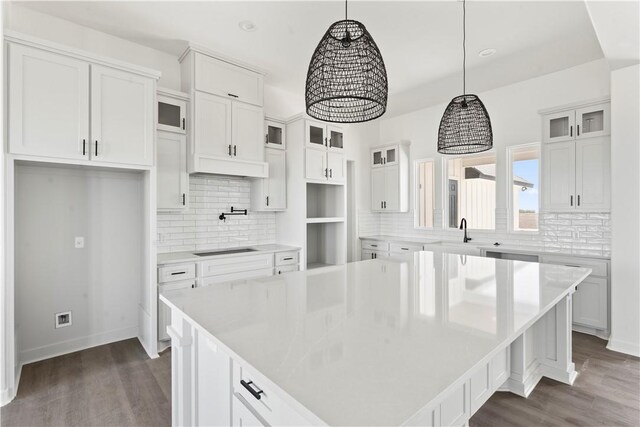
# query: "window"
(524, 173)
(471, 192)
(424, 185)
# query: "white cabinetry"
(576, 160)
(47, 119)
(227, 119)
(171, 163)
(275, 134)
(324, 160)
(270, 194)
(54, 104)
(171, 151)
(390, 178)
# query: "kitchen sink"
(225, 252)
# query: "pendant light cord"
(345, 9)
(464, 48)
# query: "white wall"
(625, 210)
(100, 283)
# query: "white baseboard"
(65, 347)
(624, 347)
(8, 394)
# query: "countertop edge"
(191, 257)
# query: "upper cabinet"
(324, 160)
(576, 159)
(275, 134)
(577, 123)
(320, 135)
(72, 107)
(227, 121)
(171, 151)
(390, 177)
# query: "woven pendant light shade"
(347, 79)
(465, 127)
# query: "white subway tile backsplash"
(198, 228)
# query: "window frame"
(510, 214)
(416, 195)
(445, 190)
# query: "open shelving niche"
(325, 203)
(326, 230)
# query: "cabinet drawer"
(286, 269)
(230, 265)
(599, 267)
(405, 247)
(286, 258)
(590, 303)
(174, 273)
(263, 403)
(375, 245)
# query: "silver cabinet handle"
(267, 200)
(578, 200)
(235, 150)
(331, 174)
(570, 130)
(287, 258)
(571, 200)
(229, 149)
(96, 148)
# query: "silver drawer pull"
(405, 249)
(254, 392)
(287, 258)
(178, 272)
(374, 246)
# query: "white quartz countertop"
(178, 257)
(489, 246)
(373, 342)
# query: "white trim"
(173, 93)
(8, 394)
(23, 39)
(77, 344)
(574, 105)
(194, 47)
(70, 163)
(509, 183)
(624, 347)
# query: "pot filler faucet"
(463, 226)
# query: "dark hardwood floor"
(117, 384)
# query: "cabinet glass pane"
(593, 122)
(391, 155)
(377, 157)
(559, 127)
(168, 114)
(274, 135)
(336, 139)
(316, 135)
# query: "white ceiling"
(420, 41)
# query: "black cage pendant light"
(465, 126)
(347, 79)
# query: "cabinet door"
(336, 138)
(392, 188)
(593, 121)
(315, 164)
(276, 184)
(593, 174)
(315, 134)
(122, 124)
(391, 155)
(559, 127)
(274, 134)
(590, 303)
(559, 176)
(172, 114)
(378, 189)
(49, 103)
(336, 166)
(366, 254)
(171, 163)
(377, 157)
(247, 122)
(212, 125)
(164, 312)
(227, 80)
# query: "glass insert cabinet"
(172, 114)
(319, 135)
(274, 134)
(387, 155)
(580, 123)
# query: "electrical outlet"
(79, 242)
(63, 319)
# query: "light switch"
(79, 242)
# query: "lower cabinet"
(164, 312)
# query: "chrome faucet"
(463, 226)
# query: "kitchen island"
(422, 339)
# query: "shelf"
(313, 265)
(321, 220)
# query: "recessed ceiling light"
(247, 26)
(486, 52)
